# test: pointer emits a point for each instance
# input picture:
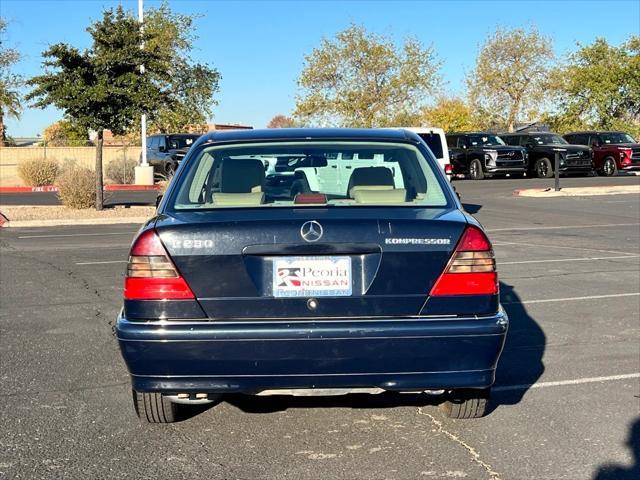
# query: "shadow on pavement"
(471, 208)
(279, 403)
(521, 362)
(620, 472)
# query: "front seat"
(241, 182)
(374, 185)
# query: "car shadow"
(611, 471)
(471, 208)
(521, 363)
(356, 401)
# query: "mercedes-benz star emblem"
(311, 231)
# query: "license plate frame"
(312, 276)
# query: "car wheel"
(609, 168)
(466, 404)
(475, 170)
(154, 408)
(544, 168)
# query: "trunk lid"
(368, 262)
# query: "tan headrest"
(397, 195)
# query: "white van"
(437, 142)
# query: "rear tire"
(464, 404)
(154, 408)
(475, 170)
(543, 168)
(609, 167)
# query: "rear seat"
(375, 185)
(240, 183)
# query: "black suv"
(482, 154)
(541, 149)
(165, 152)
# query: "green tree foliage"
(281, 121)
(599, 87)
(510, 76)
(193, 84)
(451, 114)
(65, 133)
(102, 87)
(10, 83)
(360, 79)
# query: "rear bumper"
(393, 354)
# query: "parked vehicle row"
(473, 154)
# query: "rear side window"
(434, 142)
(510, 139)
(578, 139)
(340, 174)
(452, 141)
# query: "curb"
(70, 222)
(53, 188)
(577, 191)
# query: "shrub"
(77, 187)
(121, 170)
(38, 172)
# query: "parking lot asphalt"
(565, 403)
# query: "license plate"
(312, 277)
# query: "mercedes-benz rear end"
(388, 285)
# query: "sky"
(259, 46)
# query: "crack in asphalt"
(475, 456)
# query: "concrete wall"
(11, 157)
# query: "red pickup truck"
(612, 151)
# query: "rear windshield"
(182, 141)
(434, 141)
(304, 174)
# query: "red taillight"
(472, 268)
(448, 168)
(151, 274)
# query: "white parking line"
(493, 230)
(78, 235)
(500, 243)
(582, 259)
(101, 263)
(577, 381)
(571, 299)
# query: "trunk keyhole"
(312, 304)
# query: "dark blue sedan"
(310, 261)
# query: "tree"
(452, 115)
(599, 87)
(102, 87)
(65, 133)
(509, 78)
(193, 85)
(281, 121)
(10, 98)
(361, 79)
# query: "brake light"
(448, 168)
(472, 268)
(151, 274)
